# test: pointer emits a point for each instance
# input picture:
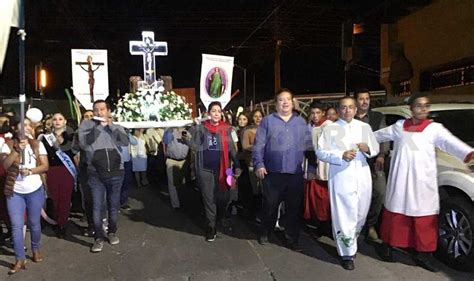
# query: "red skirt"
(316, 200)
(401, 231)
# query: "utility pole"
(254, 89)
(245, 81)
(277, 65)
(278, 37)
(21, 60)
(245, 87)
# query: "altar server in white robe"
(410, 216)
(345, 145)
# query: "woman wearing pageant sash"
(61, 175)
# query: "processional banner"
(9, 16)
(90, 76)
(216, 79)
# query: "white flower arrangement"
(151, 105)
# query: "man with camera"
(176, 152)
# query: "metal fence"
(302, 102)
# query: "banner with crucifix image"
(216, 79)
(90, 76)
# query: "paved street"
(158, 243)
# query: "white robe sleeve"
(385, 134)
(446, 141)
(374, 147)
(325, 151)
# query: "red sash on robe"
(316, 200)
(409, 126)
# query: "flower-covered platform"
(152, 109)
(155, 124)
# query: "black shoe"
(211, 234)
(384, 252)
(89, 232)
(348, 264)
(62, 232)
(59, 231)
(316, 232)
(295, 247)
(125, 207)
(263, 239)
(424, 260)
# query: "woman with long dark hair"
(241, 196)
(24, 190)
(248, 138)
(61, 175)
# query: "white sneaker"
(278, 227)
(98, 245)
(113, 239)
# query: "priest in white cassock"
(345, 145)
(410, 217)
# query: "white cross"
(148, 48)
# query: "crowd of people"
(279, 170)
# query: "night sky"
(310, 30)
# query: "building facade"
(431, 49)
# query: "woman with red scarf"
(213, 144)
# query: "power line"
(258, 27)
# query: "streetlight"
(245, 82)
(43, 78)
(40, 79)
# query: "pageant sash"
(51, 139)
(68, 164)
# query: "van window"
(459, 122)
(391, 119)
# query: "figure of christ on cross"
(148, 48)
(90, 71)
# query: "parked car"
(455, 181)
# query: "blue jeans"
(110, 188)
(127, 181)
(18, 205)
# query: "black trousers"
(279, 187)
(245, 190)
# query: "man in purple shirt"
(278, 152)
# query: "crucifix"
(90, 70)
(148, 48)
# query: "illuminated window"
(454, 75)
(403, 89)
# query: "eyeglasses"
(422, 106)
